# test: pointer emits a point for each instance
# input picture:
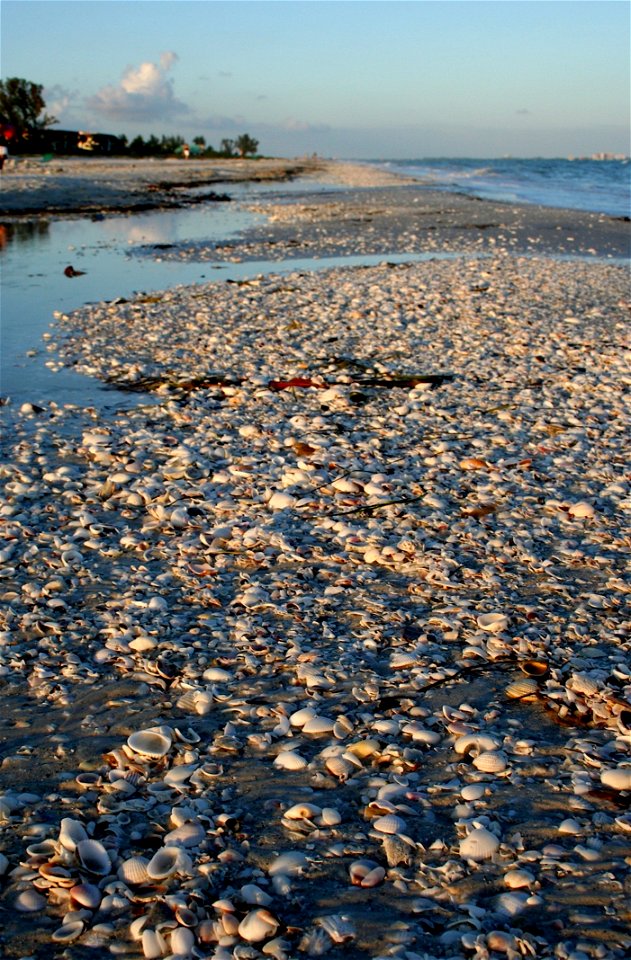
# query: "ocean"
(600, 186)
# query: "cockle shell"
(28, 901)
(473, 791)
(420, 734)
(360, 869)
(390, 823)
(134, 870)
(93, 857)
(164, 863)
(521, 688)
(71, 832)
(86, 895)
(318, 726)
(258, 925)
(153, 742)
(515, 879)
(300, 717)
(289, 760)
(617, 778)
(490, 761)
(583, 683)
(68, 932)
(480, 844)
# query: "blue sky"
(361, 79)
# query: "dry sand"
(302, 521)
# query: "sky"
(363, 79)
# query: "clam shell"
(134, 870)
(289, 760)
(28, 901)
(258, 925)
(289, 864)
(86, 895)
(480, 844)
(153, 944)
(473, 791)
(490, 761)
(471, 744)
(617, 778)
(318, 726)
(581, 510)
(521, 688)
(303, 811)
(164, 863)
(93, 857)
(153, 742)
(492, 622)
(71, 832)
(360, 869)
(182, 941)
(390, 823)
(300, 717)
(255, 896)
(68, 932)
(515, 879)
(534, 668)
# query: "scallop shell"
(534, 668)
(153, 742)
(258, 925)
(473, 791)
(490, 761)
(492, 622)
(86, 895)
(583, 683)
(390, 823)
(289, 760)
(618, 778)
(164, 863)
(318, 726)
(521, 688)
(480, 844)
(133, 870)
(339, 767)
(93, 857)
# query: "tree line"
(24, 122)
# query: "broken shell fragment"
(522, 688)
(534, 668)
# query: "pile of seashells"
(335, 669)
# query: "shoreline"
(367, 504)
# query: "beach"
(319, 645)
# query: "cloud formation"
(144, 94)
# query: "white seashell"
(521, 688)
(303, 811)
(373, 878)
(472, 744)
(258, 925)
(618, 778)
(515, 879)
(390, 823)
(182, 941)
(512, 904)
(289, 760)
(291, 864)
(583, 683)
(153, 944)
(502, 942)
(360, 869)
(152, 742)
(339, 928)
(300, 717)
(581, 510)
(339, 767)
(177, 776)
(570, 826)
(255, 896)
(164, 863)
(71, 832)
(137, 926)
(420, 734)
(492, 622)
(28, 901)
(68, 932)
(189, 834)
(93, 857)
(329, 817)
(490, 761)
(318, 726)
(480, 844)
(133, 870)
(473, 791)
(86, 895)
(281, 501)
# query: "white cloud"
(144, 94)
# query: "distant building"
(68, 142)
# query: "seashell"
(137, 926)
(362, 749)
(390, 823)
(289, 760)
(153, 742)
(300, 717)
(164, 863)
(339, 928)
(189, 834)
(133, 870)
(583, 683)
(522, 688)
(303, 811)
(571, 826)
(617, 778)
(71, 832)
(581, 510)
(318, 726)
(56, 874)
(492, 622)
(28, 901)
(86, 895)
(68, 932)
(515, 879)
(480, 844)
(254, 895)
(398, 850)
(360, 869)
(93, 857)
(291, 864)
(502, 942)
(534, 668)
(281, 501)
(471, 744)
(258, 925)
(329, 817)
(490, 761)
(339, 767)
(420, 734)
(153, 944)
(182, 941)
(473, 791)
(512, 903)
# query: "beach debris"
(71, 272)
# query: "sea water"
(600, 186)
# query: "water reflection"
(29, 231)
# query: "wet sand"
(386, 494)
